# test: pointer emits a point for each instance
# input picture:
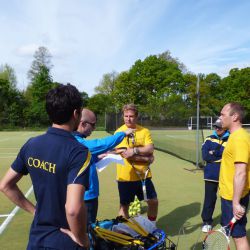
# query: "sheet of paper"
(110, 158)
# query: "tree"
(100, 103)
(15, 109)
(124, 91)
(107, 84)
(236, 88)
(42, 57)
(9, 74)
(167, 56)
(85, 98)
(36, 94)
(213, 98)
(12, 101)
(208, 93)
(149, 83)
(4, 97)
(41, 83)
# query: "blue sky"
(88, 38)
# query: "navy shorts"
(129, 189)
(239, 229)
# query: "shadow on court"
(177, 220)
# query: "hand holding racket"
(129, 131)
(238, 211)
(219, 239)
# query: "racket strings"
(217, 240)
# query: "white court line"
(4, 215)
(13, 213)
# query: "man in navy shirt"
(59, 169)
(96, 147)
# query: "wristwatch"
(136, 150)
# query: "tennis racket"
(139, 174)
(219, 239)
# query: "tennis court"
(180, 196)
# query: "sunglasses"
(92, 124)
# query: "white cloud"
(27, 50)
(90, 38)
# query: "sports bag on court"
(128, 234)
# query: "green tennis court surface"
(180, 195)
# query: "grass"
(180, 194)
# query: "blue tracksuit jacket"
(216, 144)
(96, 147)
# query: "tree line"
(160, 85)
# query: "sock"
(152, 218)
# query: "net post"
(197, 120)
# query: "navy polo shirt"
(53, 160)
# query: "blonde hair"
(130, 106)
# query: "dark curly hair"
(61, 103)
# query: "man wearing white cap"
(212, 150)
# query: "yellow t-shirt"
(236, 150)
(127, 172)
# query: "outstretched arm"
(102, 145)
(8, 186)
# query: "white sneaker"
(206, 228)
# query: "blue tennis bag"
(128, 234)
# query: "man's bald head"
(88, 122)
(88, 116)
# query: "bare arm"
(144, 150)
(76, 214)
(8, 186)
(142, 158)
(239, 184)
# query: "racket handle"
(233, 220)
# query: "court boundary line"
(13, 213)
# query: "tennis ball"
(134, 207)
